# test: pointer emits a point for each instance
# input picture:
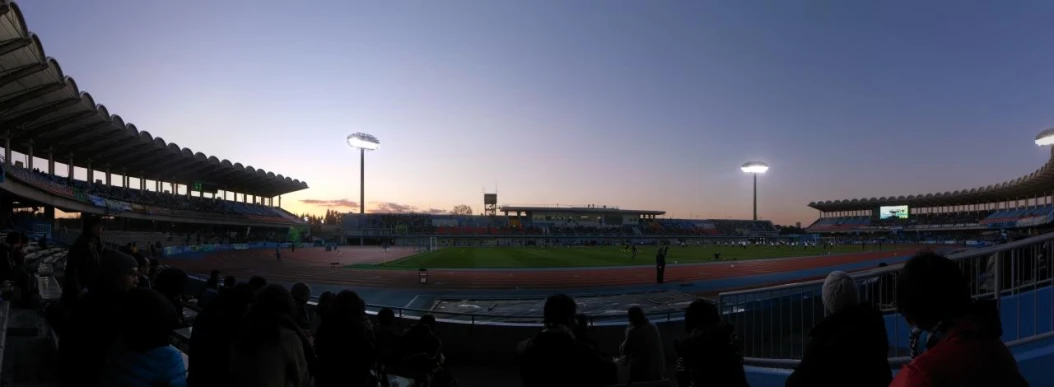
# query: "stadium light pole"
(755, 168)
(363, 142)
(1046, 138)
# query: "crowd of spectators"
(119, 310)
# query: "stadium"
(485, 278)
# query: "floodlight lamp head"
(754, 167)
(1045, 138)
(363, 141)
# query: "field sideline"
(538, 257)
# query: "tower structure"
(490, 204)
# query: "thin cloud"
(334, 203)
(397, 208)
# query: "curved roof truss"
(41, 107)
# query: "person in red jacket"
(963, 346)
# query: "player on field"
(633, 249)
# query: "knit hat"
(839, 292)
(114, 262)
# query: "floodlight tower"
(363, 142)
(755, 168)
(1046, 138)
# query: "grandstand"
(192, 204)
(120, 170)
(1022, 203)
(552, 222)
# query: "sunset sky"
(637, 104)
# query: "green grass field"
(536, 257)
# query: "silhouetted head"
(428, 321)
(348, 306)
(229, 282)
(148, 321)
(931, 289)
(386, 317)
(559, 309)
(301, 292)
(701, 314)
(325, 303)
(636, 316)
(117, 272)
(273, 300)
(170, 282)
(91, 225)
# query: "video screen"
(886, 212)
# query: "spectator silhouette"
(93, 323)
(964, 347)
(211, 341)
(322, 309)
(849, 346)
(144, 267)
(214, 280)
(386, 336)
(301, 295)
(709, 355)
(554, 358)
(345, 346)
(143, 356)
(257, 283)
(421, 353)
(82, 260)
(229, 282)
(170, 282)
(642, 348)
(270, 349)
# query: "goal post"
(433, 244)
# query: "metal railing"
(773, 322)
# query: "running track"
(310, 265)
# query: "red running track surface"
(311, 265)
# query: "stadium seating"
(120, 199)
(426, 224)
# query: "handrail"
(895, 362)
(978, 252)
(752, 295)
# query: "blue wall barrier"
(1023, 315)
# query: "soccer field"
(536, 257)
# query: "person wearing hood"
(345, 346)
(709, 355)
(270, 349)
(963, 347)
(554, 358)
(93, 324)
(847, 348)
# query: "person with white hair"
(848, 347)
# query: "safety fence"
(774, 322)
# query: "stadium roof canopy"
(1035, 184)
(579, 210)
(42, 106)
